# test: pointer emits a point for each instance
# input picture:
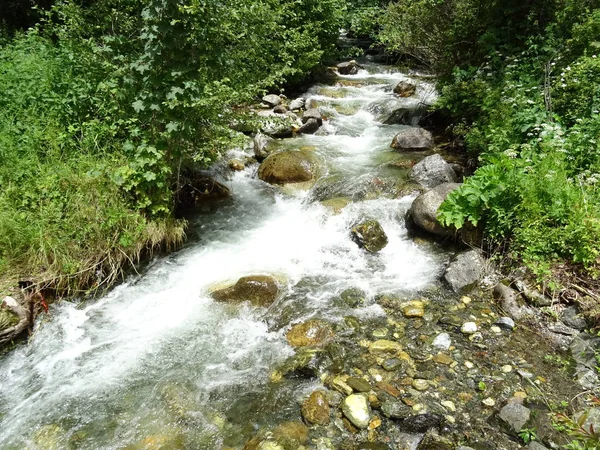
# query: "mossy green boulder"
(259, 290)
(370, 236)
(292, 166)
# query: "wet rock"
(372, 446)
(358, 384)
(309, 127)
(391, 364)
(405, 89)
(413, 309)
(514, 416)
(468, 328)
(424, 209)
(348, 68)
(337, 204)
(395, 410)
(383, 346)
(280, 109)
(370, 236)
(420, 423)
(297, 104)
(357, 410)
(278, 126)
(313, 114)
(259, 290)
(433, 171)
(465, 270)
(413, 138)
(572, 317)
(420, 384)
(433, 441)
(353, 297)
(288, 167)
(236, 165)
(506, 323)
(442, 341)
(197, 188)
(442, 358)
(311, 332)
(306, 363)
(315, 408)
(263, 146)
(290, 433)
(272, 100)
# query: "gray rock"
(357, 410)
(297, 104)
(291, 166)
(309, 127)
(465, 270)
(424, 209)
(592, 419)
(280, 109)
(312, 113)
(583, 350)
(572, 317)
(272, 100)
(508, 299)
(348, 68)
(433, 171)
(353, 297)
(442, 341)
(395, 410)
(413, 138)
(506, 323)
(514, 416)
(462, 447)
(262, 146)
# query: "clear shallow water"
(158, 359)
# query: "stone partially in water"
(395, 410)
(404, 89)
(465, 270)
(311, 332)
(370, 236)
(259, 290)
(413, 138)
(433, 171)
(353, 297)
(425, 207)
(413, 309)
(7, 319)
(357, 410)
(348, 68)
(315, 408)
(358, 384)
(286, 167)
(336, 204)
(383, 346)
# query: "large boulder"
(413, 138)
(370, 236)
(348, 68)
(405, 89)
(292, 166)
(433, 171)
(259, 290)
(466, 269)
(425, 207)
(309, 127)
(297, 104)
(310, 333)
(195, 188)
(312, 113)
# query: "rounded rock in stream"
(311, 332)
(433, 171)
(413, 138)
(259, 290)
(286, 167)
(425, 207)
(370, 236)
(315, 408)
(348, 68)
(404, 89)
(357, 410)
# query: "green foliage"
(584, 437)
(527, 435)
(104, 102)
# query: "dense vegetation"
(521, 83)
(103, 104)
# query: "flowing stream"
(157, 361)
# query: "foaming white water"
(97, 367)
